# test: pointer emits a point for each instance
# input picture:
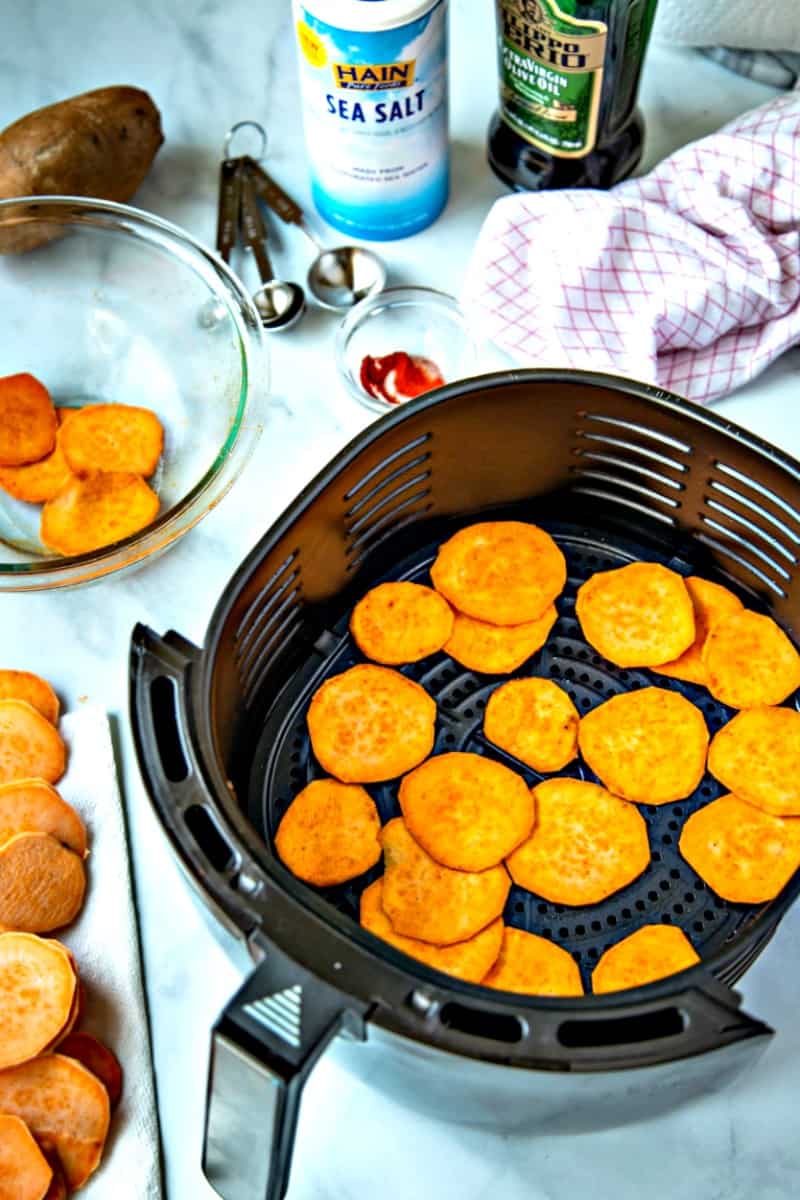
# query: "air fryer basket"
(616, 471)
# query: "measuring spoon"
(280, 303)
(338, 277)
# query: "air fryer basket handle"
(263, 1048)
(160, 713)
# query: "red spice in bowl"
(398, 376)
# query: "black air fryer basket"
(616, 471)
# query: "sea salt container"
(373, 77)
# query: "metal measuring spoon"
(214, 311)
(280, 303)
(338, 277)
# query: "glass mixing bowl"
(121, 307)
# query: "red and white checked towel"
(688, 277)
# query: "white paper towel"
(745, 24)
(105, 943)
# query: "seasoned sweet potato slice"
(750, 661)
(651, 953)
(329, 833)
(636, 616)
(112, 437)
(97, 510)
(535, 720)
(532, 964)
(398, 623)
(498, 649)
(27, 420)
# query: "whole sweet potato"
(99, 144)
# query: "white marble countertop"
(208, 65)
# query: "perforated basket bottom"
(669, 891)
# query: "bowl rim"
(246, 423)
(411, 294)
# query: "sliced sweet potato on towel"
(42, 883)
(25, 1173)
(24, 685)
(65, 1107)
(30, 748)
(98, 1059)
(37, 995)
(33, 806)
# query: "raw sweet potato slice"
(329, 833)
(42, 883)
(98, 1059)
(503, 572)
(371, 723)
(112, 437)
(468, 812)
(33, 806)
(30, 748)
(586, 845)
(651, 953)
(712, 603)
(97, 510)
(757, 756)
(648, 746)
(498, 649)
(64, 1106)
(400, 622)
(535, 720)
(39, 481)
(750, 661)
(432, 903)
(636, 616)
(24, 685)
(744, 854)
(532, 964)
(469, 960)
(27, 420)
(37, 993)
(25, 1173)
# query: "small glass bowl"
(116, 306)
(419, 320)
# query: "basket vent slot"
(753, 526)
(635, 427)
(646, 509)
(271, 620)
(393, 494)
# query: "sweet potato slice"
(64, 1106)
(432, 903)
(468, 812)
(744, 854)
(27, 420)
(400, 622)
(25, 1173)
(24, 685)
(30, 748)
(371, 723)
(503, 572)
(469, 960)
(329, 833)
(636, 616)
(750, 661)
(33, 806)
(712, 603)
(651, 953)
(37, 992)
(42, 883)
(757, 755)
(38, 481)
(112, 437)
(58, 1184)
(498, 649)
(586, 845)
(98, 1059)
(532, 964)
(535, 720)
(647, 746)
(97, 510)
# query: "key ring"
(234, 129)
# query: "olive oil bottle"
(569, 73)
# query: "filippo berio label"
(375, 113)
(551, 73)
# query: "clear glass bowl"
(420, 321)
(122, 307)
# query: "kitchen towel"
(105, 943)
(688, 277)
